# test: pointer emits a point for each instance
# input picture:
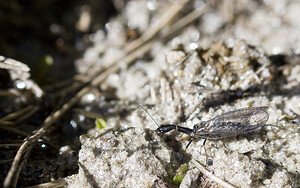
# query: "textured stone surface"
(128, 157)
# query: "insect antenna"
(150, 116)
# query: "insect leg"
(189, 144)
(206, 158)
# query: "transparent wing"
(252, 115)
(233, 123)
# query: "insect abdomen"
(218, 130)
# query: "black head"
(165, 128)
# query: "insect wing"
(233, 123)
(255, 116)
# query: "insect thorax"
(200, 127)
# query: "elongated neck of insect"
(184, 130)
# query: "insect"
(229, 124)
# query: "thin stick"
(27, 115)
(76, 78)
(6, 123)
(5, 161)
(26, 155)
(88, 114)
(211, 175)
(13, 130)
(52, 184)
(72, 87)
(164, 20)
(163, 90)
(10, 92)
(152, 93)
(10, 145)
(16, 114)
(11, 64)
(186, 20)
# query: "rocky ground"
(207, 59)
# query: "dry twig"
(211, 175)
(12, 129)
(16, 114)
(52, 184)
(164, 20)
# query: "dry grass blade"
(52, 184)
(76, 78)
(10, 92)
(10, 145)
(164, 20)
(6, 125)
(11, 64)
(186, 19)
(16, 114)
(211, 175)
(18, 170)
(88, 114)
(27, 114)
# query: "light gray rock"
(128, 157)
